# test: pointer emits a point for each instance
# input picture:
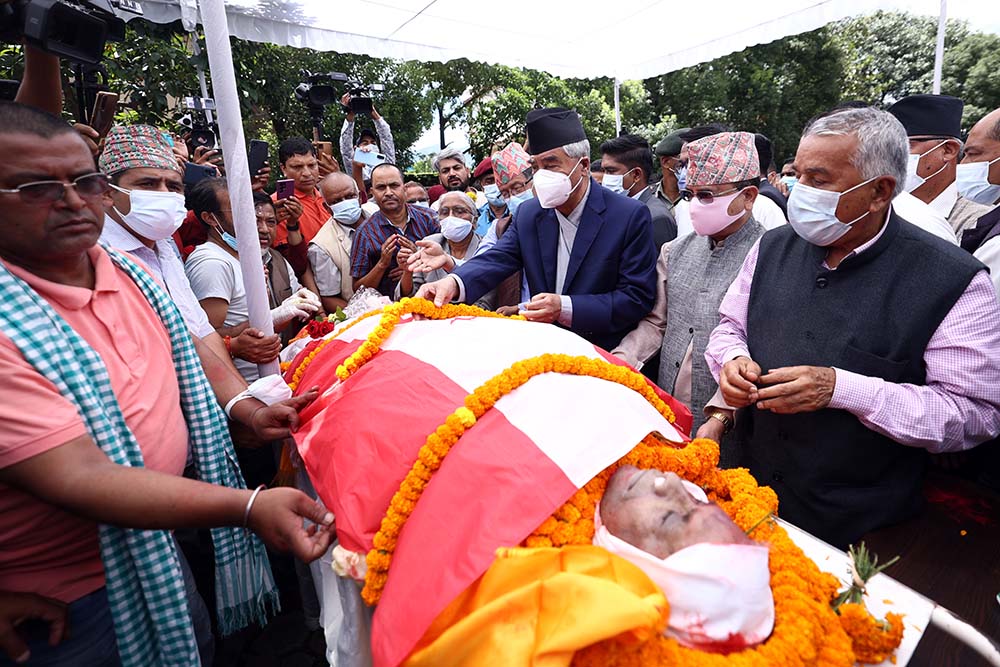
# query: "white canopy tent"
(560, 37)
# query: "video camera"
(201, 130)
(73, 29)
(317, 90)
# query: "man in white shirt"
(217, 279)
(330, 250)
(933, 126)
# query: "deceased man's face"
(653, 511)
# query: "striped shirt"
(367, 246)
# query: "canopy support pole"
(618, 112)
(196, 49)
(220, 62)
(939, 50)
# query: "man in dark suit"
(627, 163)
(587, 254)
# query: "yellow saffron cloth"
(539, 606)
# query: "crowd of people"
(832, 323)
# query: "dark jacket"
(612, 267)
(664, 225)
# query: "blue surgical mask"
(973, 181)
(493, 195)
(789, 181)
(812, 213)
(682, 176)
(517, 200)
(347, 212)
(228, 238)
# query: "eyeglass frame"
(709, 196)
(444, 212)
(19, 190)
(529, 176)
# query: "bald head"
(983, 143)
(337, 187)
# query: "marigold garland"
(440, 442)
(315, 346)
(806, 631)
(873, 642)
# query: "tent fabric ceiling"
(566, 38)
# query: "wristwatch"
(291, 228)
(726, 420)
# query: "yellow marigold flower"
(466, 416)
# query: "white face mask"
(914, 181)
(812, 213)
(153, 215)
(614, 182)
(553, 188)
(347, 212)
(455, 229)
(973, 182)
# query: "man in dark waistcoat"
(854, 341)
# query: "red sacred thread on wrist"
(229, 345)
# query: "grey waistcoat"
(697, 279)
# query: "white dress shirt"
(165, 264)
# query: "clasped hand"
(785, 390)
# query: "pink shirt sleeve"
(729, 339)
(35, 417)
(959, 407)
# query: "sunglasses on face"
(88, 186)
(704, 196)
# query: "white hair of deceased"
(883, 147)
(578, 149)
(448, 154)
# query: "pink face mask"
(709, 219)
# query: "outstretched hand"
(441, 292)
(277, 516)
(277, 421)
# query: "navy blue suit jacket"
(612, 268)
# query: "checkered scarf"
(144, 583)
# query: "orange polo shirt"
(44, 549)
(314, 214)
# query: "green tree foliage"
(972, 72)
(769, 88)
(890, 55)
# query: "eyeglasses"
(88, 186)
(704, 196)
(515, 189)
(460, 211)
